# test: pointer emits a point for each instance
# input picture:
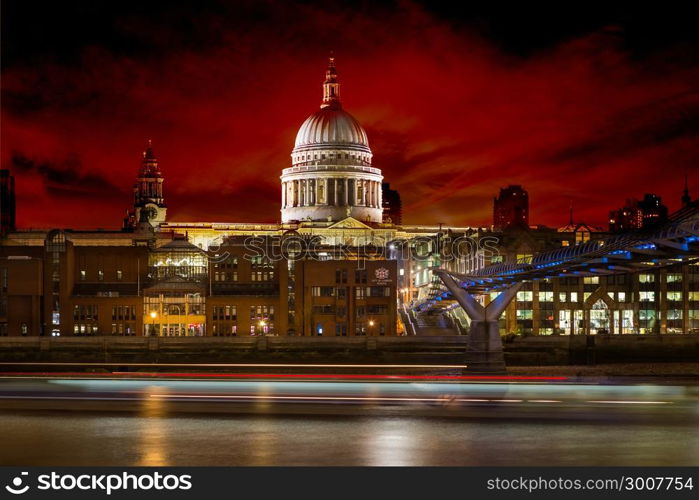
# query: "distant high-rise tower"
(644, 214)
(148, 193)
(653, 210)
(7, 202)
(686, 199)
(627, 218)
(511, 208)
(392, 208)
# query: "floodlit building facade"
(332, 266)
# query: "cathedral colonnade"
(333, 191)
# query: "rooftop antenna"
(571, 212)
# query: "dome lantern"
(331, 87)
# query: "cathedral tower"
(148, 193)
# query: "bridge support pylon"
(485, 344)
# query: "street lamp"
(153, 315)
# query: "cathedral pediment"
(349, 223)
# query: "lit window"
(83, 275)
(591, 280)
(646, 278)
(524, 258)
(675, 296)
(524, 314)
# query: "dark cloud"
(66, 178)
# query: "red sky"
(451, 118)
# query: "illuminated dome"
(331, 125)
(331, 177)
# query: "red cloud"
(450, 120)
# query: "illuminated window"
(562, 297)
(524, 258)
(675, 296)
(646, 278)
(621, 296)
(545, 296)
(525, 296)
(646, 296)
(674, 277)
(524, 314)
(674, 314)
(573, 296)
(591, 280)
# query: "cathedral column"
(345, 193)
(283, 194)
(320, 190)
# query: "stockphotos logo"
(106, 483)
(17, 486)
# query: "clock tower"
(148, 193)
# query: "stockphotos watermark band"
(356, 483)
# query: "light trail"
(301, 376)
(622, 402)
(236, 365)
